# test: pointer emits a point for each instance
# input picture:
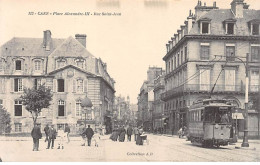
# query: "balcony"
(206, 88)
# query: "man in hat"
(52, 136)
(89, 133)
(36, 135)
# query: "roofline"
(213, 37)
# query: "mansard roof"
(71, 48)
(27, 47)
(218, 16)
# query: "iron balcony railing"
(208, 88)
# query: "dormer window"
(255, 29)
(18, 65)
(253, 26)
(204, 25)
(229, 26)
(205, 28)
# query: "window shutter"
(85, 86)
(54, 85)
(23, 83)
(74, 85)
(14, 86)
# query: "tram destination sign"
(237, 116)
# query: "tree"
(5, 121)
(35, 99)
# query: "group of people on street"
(120, 133)
(51, 135)
(88, 135)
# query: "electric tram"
(210, 123)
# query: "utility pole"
(245, 139)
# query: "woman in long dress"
(114, 135)
(122, 133)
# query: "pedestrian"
(96, 138)
(114, 135)
(61, 135)
(122, 133)
(129, 133)
(82, 131)
(89, 133)
(36, 135)
(52, 136)
(139, 140)
(46, 130)
(135, 132)
(67, 132)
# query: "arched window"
(61, 108)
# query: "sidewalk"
(13, 138)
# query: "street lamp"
(86, 104)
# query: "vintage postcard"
(129, 81)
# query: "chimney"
(214, 4)
(173, 41)
(47, 40)
(190, 19)
(81, 38)
(201, 10)
(237, 7)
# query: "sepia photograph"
(130, 81)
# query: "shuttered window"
(61, 108)
(61, 85)
(230, 80)
(18, 110)
(205, 79)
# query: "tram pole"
(245, 139)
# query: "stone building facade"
(192, 67)
(67, 68)
(146, 98)
(160, 115)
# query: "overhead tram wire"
(198, 72)
(217, 79)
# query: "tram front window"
(217, 115)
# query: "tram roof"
(211, 103)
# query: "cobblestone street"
(160, 148)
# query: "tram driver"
(225, 118)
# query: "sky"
(129, 43)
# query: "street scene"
(93, 81)
(160, 148)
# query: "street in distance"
(75, 13)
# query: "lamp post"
(86, 104)
(245, 139)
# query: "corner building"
(192, 68)
(68, 69)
